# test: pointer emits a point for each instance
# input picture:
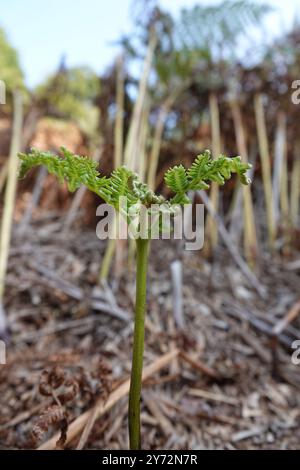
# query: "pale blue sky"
(42, 30)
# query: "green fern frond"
(198, 171)
(205, 169)
(176, 179)
(73, 169)
(77, 171)
(119, 185)
(241, 169)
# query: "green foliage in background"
(70, 94)
(217, 28)
(10, 69)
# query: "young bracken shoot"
(77, 171)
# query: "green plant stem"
(138, 345)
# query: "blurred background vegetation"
(178, 85)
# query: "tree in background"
(10, 70)
(69, 94)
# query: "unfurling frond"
(77, 171)
(73, 169)
(176, 179)
(205, 169)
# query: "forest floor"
(226, 385)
